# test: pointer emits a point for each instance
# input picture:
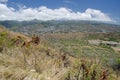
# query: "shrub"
(116, 65)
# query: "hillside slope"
(41, 62)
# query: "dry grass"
(40, 62)
(35, 64)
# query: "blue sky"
(109, 7)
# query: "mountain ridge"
(52, 26)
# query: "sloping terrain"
(39, 61)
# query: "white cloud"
(3, 0)
(44, 13)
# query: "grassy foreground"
(42, 62)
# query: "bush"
(116, 66)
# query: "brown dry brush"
(17, 41)
(80, 68)
(24, 58)
(36, 63)
(93, 75)
(84, 73)
(26, 47)
(65, 60)
(35, 40)
(85, 70)
(104, 75)
(48, 52)
(68, 77)
(78, 74)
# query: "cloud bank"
(44, 13)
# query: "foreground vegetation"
(65, 60)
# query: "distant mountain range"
(36, 26)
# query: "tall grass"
(41, 62)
